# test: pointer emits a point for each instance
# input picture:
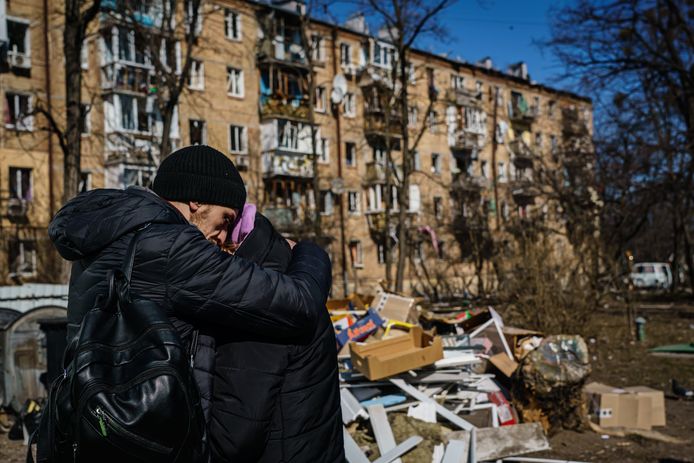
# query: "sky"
(505, 30)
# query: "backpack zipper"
(109, 423)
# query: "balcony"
(283, 164)
(467, 184)
(463, 97)
(522, 115)
(126, 77)
(376, 173)
(524, 191)
(523, 155)
(290, 107)
(375, 125)
(465, 140)
(288, 220)
(573, 124)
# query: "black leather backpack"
(127, 393)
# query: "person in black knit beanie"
(205, 186)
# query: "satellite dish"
(339, 89)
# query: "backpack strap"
(129, 260)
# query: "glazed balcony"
(282, 164)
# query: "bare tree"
(78, 16)
(403, 22)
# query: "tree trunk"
(404, 194)
(73, 37)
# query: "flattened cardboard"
(613, 407)
(394, 307)
(388, 357)
(657, 402)
(504, 363)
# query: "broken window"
(237, 139)
(234, 81)
(350, 154)
(320, 99)
(350, 105)
(22, 257)
(345, 54)
(17, 109)
(232, 24)
(198, 132)
(353, 203)
(19, 46)
(21, 183)
(138, 176)
(356, 254)
(435, 163)
(196, 76)
(326, 202)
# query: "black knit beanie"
(200, 173)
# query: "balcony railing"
(292, 107)
(131, 77)
(465, 140)
(523, 155)
(523, 114)
(375, 124)
(469, 184)
(463, 97)
(287, 165)
(524, 190)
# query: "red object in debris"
(504, 410)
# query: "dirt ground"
(617, 361)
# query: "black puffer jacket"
(276, 403)
(176, 267)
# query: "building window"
(379, 156)
(317, 48)
(551, 106)
(484, 169)
(432, 121)
(457, 82)
(442, 250)
(21, 183)
(324, 151)
(22, 257)
(356, 254)
(435, 163)
(19, 46)
(235, 82)
(350, 105)
(196, 77)
(232, 24)
(438, 207)
(138, 176)
(415, 199)
(17, 109)
(85, 120)
(416, 161)
(237, 139)
(353, 202)
(326, 202)
(554, 143)
(198, 132)
(345, 55)
(131, 113)
(350, 154)
(536, 105)
(412, 114)
(479, 86)
(538, 141)
(320, 99)
(192, 16)
(384, 55)
(85, 182)
(501, 174)
(289, 137)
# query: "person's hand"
(291, 243)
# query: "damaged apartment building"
(302, 107)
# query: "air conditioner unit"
(16, 208)
(19, 60)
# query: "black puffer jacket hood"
(100, 217)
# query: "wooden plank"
(352, 450)
(381, 427)
(400, 450)
(440, 409)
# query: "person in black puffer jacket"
(271, 402)
(195, 282)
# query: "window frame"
(196, 67)
(236, 19)
(240, 87)
(204, 131)
(242, 138)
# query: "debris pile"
(450, 383)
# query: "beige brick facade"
(252, 105)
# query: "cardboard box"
(389, 357)
(613, 407)
(504, 363)
(515, 338)
(361, 329)
(657, 402)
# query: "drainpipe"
(338, 138)
(494, 173)
(49, 107)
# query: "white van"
(651, 275)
